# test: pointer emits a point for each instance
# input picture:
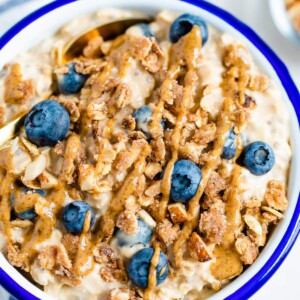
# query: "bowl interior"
(50, 22)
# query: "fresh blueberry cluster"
(184, 24)
(73, 216)
(139, 265)
(47, 123)
(28, 214)
(186, 178)
(142, 236)
(142, 118)
(258, 158)
(72, 82)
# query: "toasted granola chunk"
(17, 90)
(275, 196)
(128, 222)
(177, 212)
(121, 294)
(247, 249)
(167, 232)
(214, 185)
(205, 134)
(197, 249)
(213, 224)
(152, 169)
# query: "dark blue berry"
(186, 178)
(71, 82)
(28, 214)
(229, 148)
(73, 216)
(146, 30)
(142, 236)
(139, 265)
(258, 158)
(142, 118)
(47, 123)
(184, 24)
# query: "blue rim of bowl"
(290, 236)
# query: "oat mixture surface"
(166, 171)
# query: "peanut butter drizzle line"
(225, 123)
(5, 206)
(148, 293)
(191, 42)
(85, 249)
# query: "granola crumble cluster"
(196, 95)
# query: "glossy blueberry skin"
(73, 216)
(186, 178)
(72, 82)
(139, 265)
(229, 148)
(146, 30)
(29, 214)
(258, 158)
(47, 123)
(142, 236)
(142, 117)
(184, 24)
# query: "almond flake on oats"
(167, 232)
(272, 211)
(128, 222)
(35, 168)
(31, 148)
(154, 189)
(121, 294)
(177, 212)
(275, 195)
(86, 177)
(253, 224)
(147, 218)
(152, 169)
(247, 249)
(47, 180)
(197, 249)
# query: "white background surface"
(285, 284)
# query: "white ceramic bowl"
(44, 23)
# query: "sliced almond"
(273, 211)
(35, 168)
(253, 224)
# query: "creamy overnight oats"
(155, 169)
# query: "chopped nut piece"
(258, 83)
(127, 221)
(177, 212)
(140, 185)
(123, 161)
(197, 249)
(275, 196)
(52, 256)
(33, 149)
(154, 189)
(167, 232)
(247, 249)
(253, 224)
(106, 274)
(152, 169)
(105, 254)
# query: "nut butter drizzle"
(190, 43)
(231, 88)
(152, 281)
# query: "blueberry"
(186, 178)
(73, 216)
(139, 265)
(28, 214)
(258, 158)
(184, 24)
(142, 236)
(229, 148)
(47, 123)
(146, 30)
(142, 118)
(72, 82)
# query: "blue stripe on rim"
(289, 238)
